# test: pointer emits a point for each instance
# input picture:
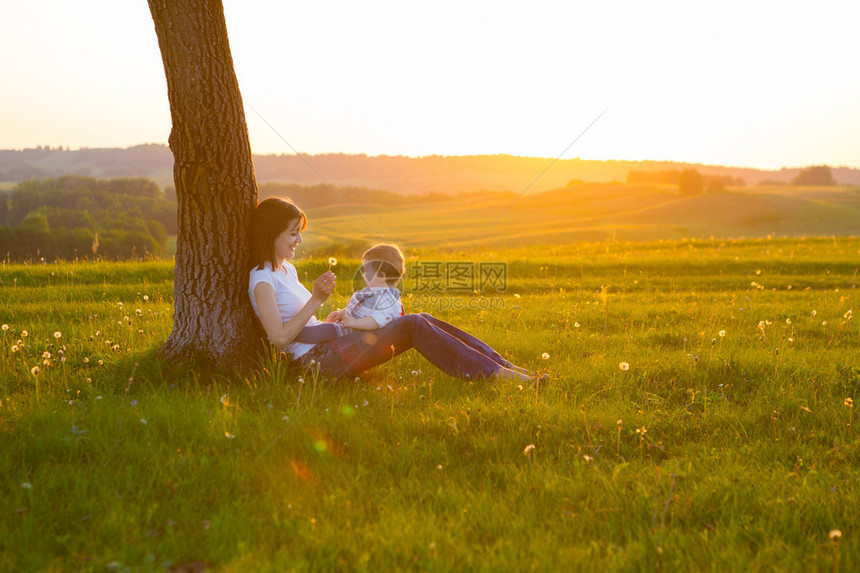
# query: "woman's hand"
(324, 285)
(336, 315)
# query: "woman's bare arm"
(283, 333)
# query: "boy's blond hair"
(386, 258)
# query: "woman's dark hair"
(271, 218)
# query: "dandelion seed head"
(814, 312)
(14, 348)
(58, 334)
(835, 534)
(848, 402)
(24, 334)
(145, 297)
(529, 450)
(34, 371)
(722, 333)
(623, 366)
(588, 459)
(788, 320)
(545, 356)
(332, 261)
(5, 327)
(28, 485)
(229, 436)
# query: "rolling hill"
(592, 212)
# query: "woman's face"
(286, 242)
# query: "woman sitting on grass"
(285, 308)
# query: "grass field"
(698, 417)
(594, 212)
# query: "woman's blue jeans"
(445, 346)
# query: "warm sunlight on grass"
(699, 413)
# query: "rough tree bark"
(216, 188)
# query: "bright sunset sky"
(744, 83)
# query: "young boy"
(378, 303)
(372, 307)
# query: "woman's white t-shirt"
(290, 295)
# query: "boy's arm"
(366, 323)
(336, 315)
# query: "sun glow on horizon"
(743, 85)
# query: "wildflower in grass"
(576, 325)
(788, 320)
(58, 334)
(848, 315)
(848, 402)
(545, 356)
(86, 360)
(46, 354)
(588, 459)
(146, 297)
(24, 334)
(144, 421)
(823, 323)
(722, 333)
(5, 327)
(14, 348)
(34, 370)
(623, 366)
(814, 312)
(529, 450)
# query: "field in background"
(592, 212)
(699, 415)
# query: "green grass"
(594, 212)
(715, 453)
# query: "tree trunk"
(216, 189)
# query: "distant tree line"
(689, 181)
(75, 217)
